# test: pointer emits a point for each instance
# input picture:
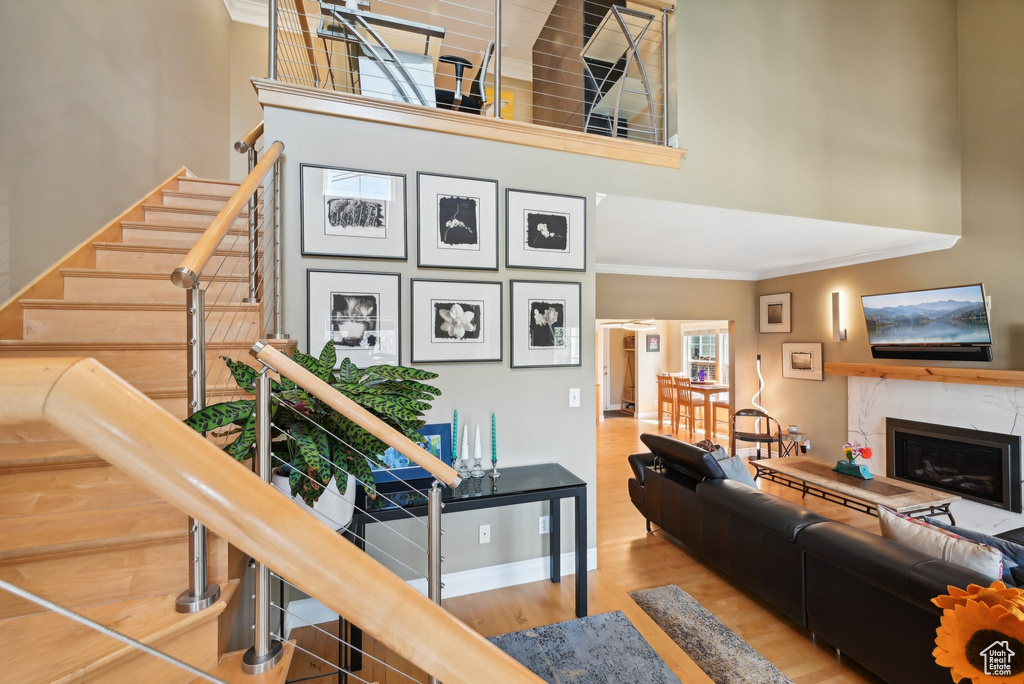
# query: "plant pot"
(332, 508)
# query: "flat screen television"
(949, 323)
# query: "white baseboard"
(614, 407)
(310, 611)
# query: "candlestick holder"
(494, 469)
(463, 471)
(478, 470)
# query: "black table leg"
(555, 538)
(581, 554)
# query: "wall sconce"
(838, 333)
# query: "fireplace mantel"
(963, 376)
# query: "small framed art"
(654, 343)
(458, 222)
(352, 213)
(545, 324)
(775, 316)
(435, 438)
(456, 320)
(802, 360)
(358, 311)
(545, 231)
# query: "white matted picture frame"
(545, 321)
(359, 311)
(545, 231)
(458, 222)
(352, 213)
(775, 314)
(802, 361)
(456, 321)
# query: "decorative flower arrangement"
(853, 450)
(975, 621)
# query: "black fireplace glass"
(970, 469)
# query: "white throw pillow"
(938, 543)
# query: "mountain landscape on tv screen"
(946, 321)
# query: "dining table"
(708, 390)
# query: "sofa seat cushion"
(777, 516)
(684, 457)
(941, 544)
(898, 569)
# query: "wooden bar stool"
(667, 402)
(721, 401)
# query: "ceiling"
(653, 237)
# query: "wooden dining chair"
(666, 402)
(720, 402)
(685, 409)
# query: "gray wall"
(103, 100)
(991, 61)
(248, 60)
(535, 423)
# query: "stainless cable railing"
(601, 71)
(232, 282)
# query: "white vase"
(332, 508)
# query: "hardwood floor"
(629, 559)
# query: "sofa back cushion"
(638, 462)
(773, 514)
(684, 457)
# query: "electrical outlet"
(574, 397)
(545, 524)
(485, 534)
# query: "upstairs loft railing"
(93, 406)
(596, 66)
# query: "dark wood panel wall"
(558, 69)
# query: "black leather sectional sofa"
(866, 595)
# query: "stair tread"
(163, 249)
(230, 668)
(67, 345)
(142, 275)
(128, 306)
(172, 226)
(197, 179)
(172, 209)
(50, 534)
(150, 620)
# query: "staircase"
(74, 529)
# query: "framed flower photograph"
(456, 320)
(545, 324)
(545, 231)
(358, 311)
(775, 315)
(352, 213)
(802, 360)
(458, 222)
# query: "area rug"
(716, 649)
(597, 649)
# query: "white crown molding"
(251, 12)
(667, 272)
(311, 611)
(931, 245)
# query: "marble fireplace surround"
(993, 408)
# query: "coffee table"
(818, 479)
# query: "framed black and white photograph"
(458, 222)
(802, 360)
(545, 231)
(545, 324)
(358, 311)
(775, 313)
(352, 213)
(456, 320)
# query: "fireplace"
(980, 466)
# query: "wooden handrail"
(191, 267)
(95, 407)
(249, 139)
(287, 367)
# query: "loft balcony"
(585, 76)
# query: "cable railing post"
(253, 233)
(201, 593)
(272, 37)
(265, 652)
(277, 333)
(434, 558)
(497, 59)
(665, 11)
